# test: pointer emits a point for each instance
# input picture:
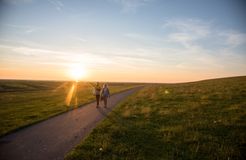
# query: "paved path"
(53, 138)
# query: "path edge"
(58, 114)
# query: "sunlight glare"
(77, 72)
(70, 95)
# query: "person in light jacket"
(97, 91)
(105, 94)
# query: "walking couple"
(101, 93)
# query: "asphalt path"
(53, 138)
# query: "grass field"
(200, 120)
(26, 102)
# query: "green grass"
(200, 120)
(26, 102)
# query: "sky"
(123, 40)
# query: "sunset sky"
(123, 40)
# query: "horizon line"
(62, 80)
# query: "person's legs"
(105, 102)
(98, 99)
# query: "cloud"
(142, 39)
(34, 51)
(134, 35)
(190, 32)
(79, 39)
(24, 28)
(194, 26)
(131, 5)
(205, 47)
(233, 38)
(50, 56)
(183, 38)
(57, 4)
(186, 31)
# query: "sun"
(77, 72)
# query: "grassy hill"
(26, 102)
(198, 120)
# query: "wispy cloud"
(134, 35)
(122, 59)
(195, 26)
(233, 38)
(139, 39)
(131, 5)
(80, 39)
(197, 37)
(187, 31)
(24, 28)
(57, 4)
(54, 57)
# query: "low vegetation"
(26, 102)
(200, 120)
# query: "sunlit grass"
(27, 102)
(203, 120)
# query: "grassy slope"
(27, 102)
(201, 120)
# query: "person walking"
(97, 91)
(105, 94)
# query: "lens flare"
(70, 95)
(166, 92)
